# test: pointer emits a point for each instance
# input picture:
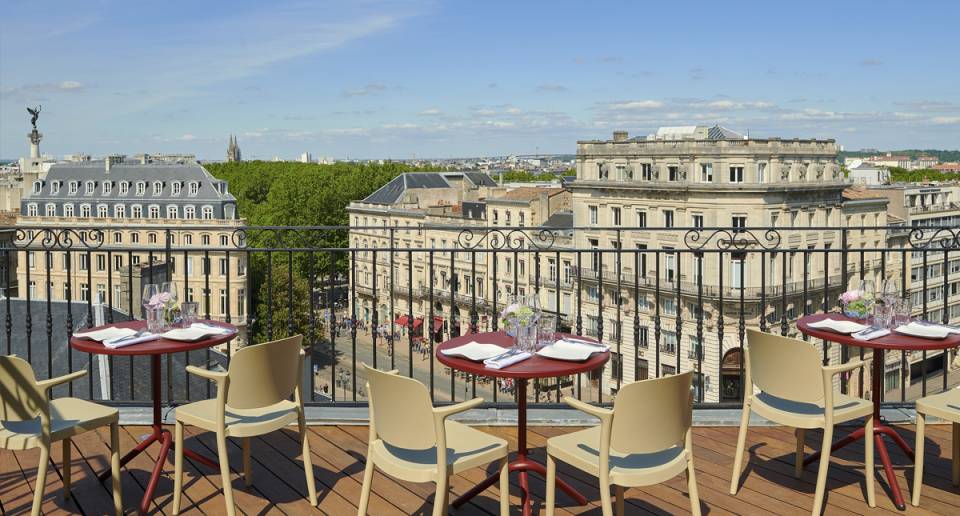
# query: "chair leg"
(367, 483)
(551, 500)
(606, 504)
(618, 502)
(247, 469)
(822, 472)
(115, 467)
(869, 471)
(225, 472)
(440, 498)
(798, 459)
(41, 478)
(956, 454)
(505, 487)
(67, 452)
(308, 464)
(741, 442)
(177, 466)
(692, 485)
(918, 459)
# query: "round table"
(896, 342)
(533, 367)
(155, 349)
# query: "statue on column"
(34, 115)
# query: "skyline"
(434, 80)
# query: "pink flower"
(851, 296)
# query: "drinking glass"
(883, 315)
(155, 320)
(890, 291)
(546, 330)
(149, 291)
(902, 309)
(169, 287)
(188, 312)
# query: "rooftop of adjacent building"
(715, 133)
(394, 191)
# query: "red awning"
(437, 324)
(402, 320)
(417, 323)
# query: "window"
(124, 187)
(119, 211)
(644, 338)
(194, 188)
(736, 174)
(223, 240)
(552, 269)
(593, 214)
(55, 187)
(67, 210)
(739, 221)
(152, 238)
(101, 262)
(616, 366)
(84, 292)
(522, 217)
(642, 267)
(207, 212)
(669, 345)
(737, 270)
(189, 212)
(706, 173)
(697, 221)
(72, 188)
(671, 265)
(205, 240)
(31, 210)
(84, 210)
(154, 212)
(37, 186)
(176, 188)
(107, 187)
(615, 216)
(646, 171)
(669, 306)
(641, 219)
(643, 369)
(117, 262)
(172, 212)
(135, 238)
(761, 172)
(595, 244)
(668, 218)
(141, 188)
(51, 210)
(136, 211)
(103, 211)
(90, 187)
(673, 173)
(117, 237)
(496, 216)
(157, 188)
(241, 301)
(223, 267)
(84, 265)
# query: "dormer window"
(136, 211)
(172, 211)
(154, 212)
(207, 213)
(84, 210)
(55, 187)
(177, 186)
(157, 188)
(141, 188)
(124, 187)
(107, 187)
(119, 211)
(37, 186)
(189, 212)
(91, 187)
(31, 210)
(72, 189)
(67, 210)
(102, 211)
(51, 210)
(194, 188)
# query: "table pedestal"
(522, 463)
(880, 430)
(158, 434)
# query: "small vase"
(525, 337)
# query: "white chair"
(946, 406)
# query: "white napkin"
(212, 329)
(948, 329)
(122, 341)
(592, 346)
(509, 360)
(871, 333)
(108, 333)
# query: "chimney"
(620, 136)
(144, 158)
(106, 163)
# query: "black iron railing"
(665, 299)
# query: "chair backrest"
(784, 367)
(264, 374)
(400, 410)
(20, 400)
(652, 415)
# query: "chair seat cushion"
(466, 448)
(239, 423)
(945, 405)
(809, 415)
(581, 449)
(68, 417)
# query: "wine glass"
(149, 291)
(890, 291)
(169, 287)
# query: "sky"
(383, 79)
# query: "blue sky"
(461, 78)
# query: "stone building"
(233, 150)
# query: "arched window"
(84, 210)
(207, 212)
(55, 187)
(67, 210)
(91, 187)
(194, 188)
(124, 187)
(102, 211)
(136, 211)
(154, 211)
(37, 186)
(107, 187)
(141, 187)
(189, 212)
(119, 211)
(51, 210)
(157, 188)
(172, 211)
(72, 189)
(31, 210)
(176, 187)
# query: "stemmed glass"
(170, 302)
(890, 291)
(151, 312)
(149, 291)
(169, 287)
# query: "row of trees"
(941, 155)
(898, 174)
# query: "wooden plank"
(15, 491)
(90, 453)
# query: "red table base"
(161, 435)
(523, 464)
(879, 430)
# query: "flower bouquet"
(856, 303)
(520, 321)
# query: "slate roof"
(393, 191)
(526, 193)
(560, 220)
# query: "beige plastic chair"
(253, 398)
(29, 419)
(645, 439)
(946, 406)
(413, 441)
(794, 388)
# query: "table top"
(160, 346)
(894, 341)
(533, 367)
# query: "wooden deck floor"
(338, 455)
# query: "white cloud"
(636, 104)
(70, 85)
(945, 120)
(363, 91)
(431, 112)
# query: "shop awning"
(417, 323)
(437, 324)
(402, 320)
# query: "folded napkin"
(212, 328)
(592, 346)
(110, 332)
(871, 333)
(505, 361)
(127, 341)
(946, 327)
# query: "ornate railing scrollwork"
(506, 239)
(732, 239)
(934, 238)
(59, 238)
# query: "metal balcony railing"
(388, 306)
